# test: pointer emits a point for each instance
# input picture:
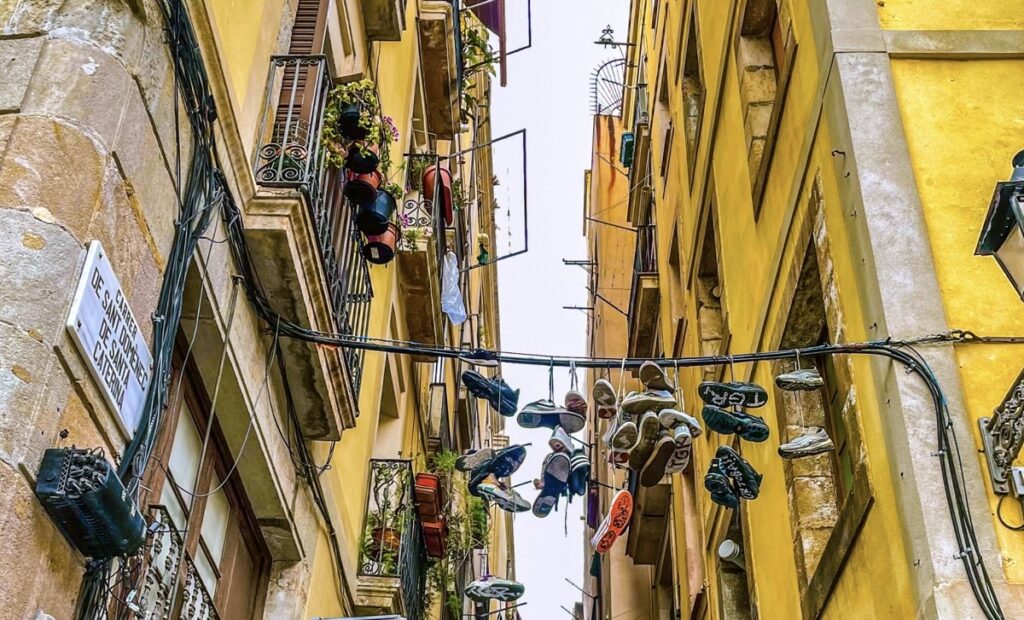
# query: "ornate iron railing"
(290, 155)
(392, 538)
(161, 581)
(645, 261)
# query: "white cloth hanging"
(451, 296)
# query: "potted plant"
(380, 249)
(431, 177)
(362, 158)
(355, 134)
(361, 189)
(372, 217)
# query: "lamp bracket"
(1002, 436)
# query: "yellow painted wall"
(246, 32)
(950, 14)
(962, 131)
(961, 135)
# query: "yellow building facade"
(285, 474)
(801, 174)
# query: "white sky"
(548, 92)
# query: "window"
(764, 56)
(663, 120)
(710, 319)
(210, 533)
(734, 598)
(693, 91)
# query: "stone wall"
(87, 151)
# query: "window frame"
(188, 396)
(783, 75)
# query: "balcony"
(647, 530)
(384, 20)
(393, 562)
(305, 247)
(438, 33)
(640, 168)
(644, 295)
(420, 258)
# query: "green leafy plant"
(478, 55)
(417, 166)
(458, 195)
(380, 130)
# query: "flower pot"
(429, 496)
(386, 538)
(430, 176)
(361, 189)
(362, 160)
(380, 249)
(348, 119)
(435, 537)
(373, 217)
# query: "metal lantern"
(1002, 235)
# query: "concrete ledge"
(955, 44)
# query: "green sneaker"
(745, 477)
(494, 588)
(748, 427)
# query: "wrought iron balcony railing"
(289, 154)
(392, 539)
(645, 261)
(161, 582)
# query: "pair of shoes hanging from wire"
(647, 432)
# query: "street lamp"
(1002, 235)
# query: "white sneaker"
(684, 447)
(809, 444)
(672, 418)
(560, 441)
(604, 398)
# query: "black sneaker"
(502, 398)
(748, 427)
(739, 393)
(718, 483)
(745, 477)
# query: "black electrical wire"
(206, 191)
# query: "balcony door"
(207, 556)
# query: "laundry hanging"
(451, 296)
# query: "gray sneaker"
(649, 431)
(654, 378)
(809, 444)
(804, 379)
(648, 400)
(547, 414)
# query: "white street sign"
(103, 327)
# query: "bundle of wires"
(206, 192)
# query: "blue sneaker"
(502, 398)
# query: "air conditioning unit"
(626, 149)
(86, 500)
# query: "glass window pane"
(185, 453)
(215, 521)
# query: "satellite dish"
(606, 84)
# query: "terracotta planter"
(430, 176)
(361, 189)
(373, 218)
(429, 496)
(386, 538)
(362, 160)
(380, 249)
(435, 537)
(349, 122)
